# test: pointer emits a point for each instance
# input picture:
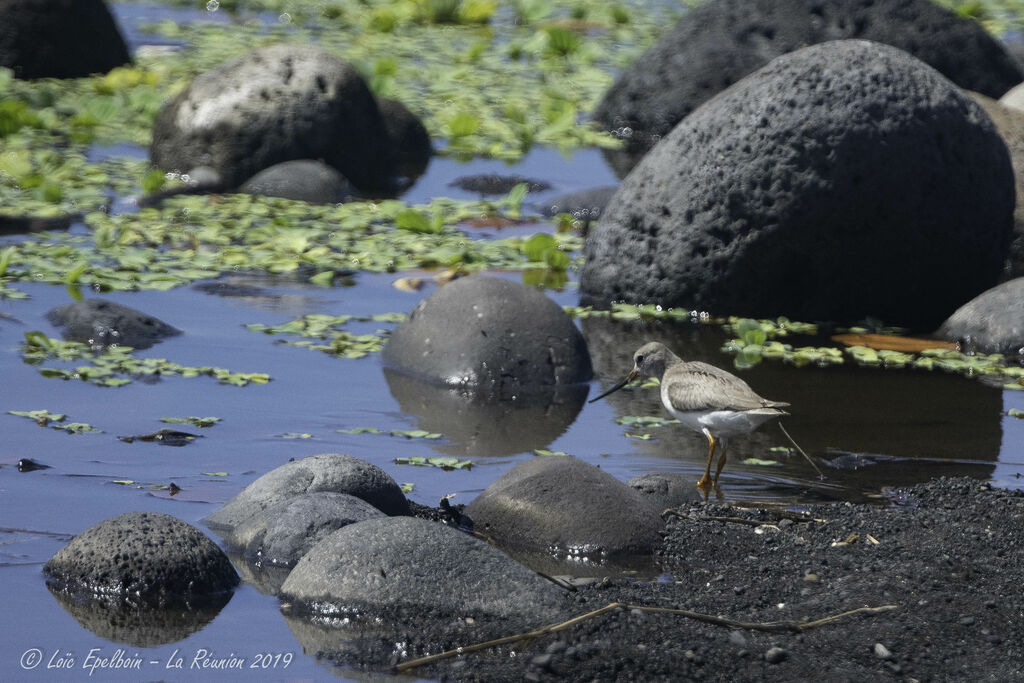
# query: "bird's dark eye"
(639, 359)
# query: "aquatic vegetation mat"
(117, 366)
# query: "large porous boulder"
(387, 566)
(490, 336)
(335, 472)
(844, 180)
(99, 323)
(304, 180)
(275, 104)
(993, 322)
(1010, 124)
(720, 42)
(59, 38)
(284, 532)
(565, 507)
(148, 556)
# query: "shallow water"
(868, 430)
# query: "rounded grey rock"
(146, 555)
(59, 38)
(585, 205)
(563, 505)
(335, 472)
(99, 322)
(394, 564)
(283, 533)
(718, 43)
(303, 179)
(274, 104)
(818, 188)
(993, 322)
(665, 489)
(409, 138)
(492, 336)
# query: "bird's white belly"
(724, 423)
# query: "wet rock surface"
(585, 205)
(390, 564)
(99, 323)
(492, 184)
(145, 556)
(566, 507)
(492, 336)
(59, 38)
(284, 532)
(303, 179)
(335, 472)
(275, 104)
(837, 178)
(717, 43)
(993, 322)
(666, 489)
(944, 554)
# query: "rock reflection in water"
(478, 427)
(140, 626)
(920, 424)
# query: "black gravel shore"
(947, 556)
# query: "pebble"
(967, 621)
(737, 638)
(882, 652)
(542, 661)
(775, 655)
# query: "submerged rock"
(491, 336)
(303, 179)
(992, 322)
(284, 532)
(99, 323)
(493, 184)
(563, 506)
(59, 38)
(335, 472)
(274, 104)
(718, 43)
(585, 205)
(149, 556)
(386, 566)
(841, 181)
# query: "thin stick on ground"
(770, 626)
(801, 451)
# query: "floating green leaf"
(415, 434)
(544, 451)
(442, 462)
(194, 421)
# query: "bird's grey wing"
(699, 386)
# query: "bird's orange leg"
(705, 481)
(721, 460)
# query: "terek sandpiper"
(704, 398)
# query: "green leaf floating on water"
(544, 451)
(195, 421)
(38, 348)
(642, 437)
(42, 417)
(360, 430)
(646, 420)
(1016, 412)
(760, 462)
(415, 434)
(442, 462)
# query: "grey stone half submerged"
(395, 564)
(335, 472)
(274, 104)
(148, 556)
(99, 322)
(564, 506)
(993, 322)
(305, 180)
(844, 180)
(492, 336)
(283, 533)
